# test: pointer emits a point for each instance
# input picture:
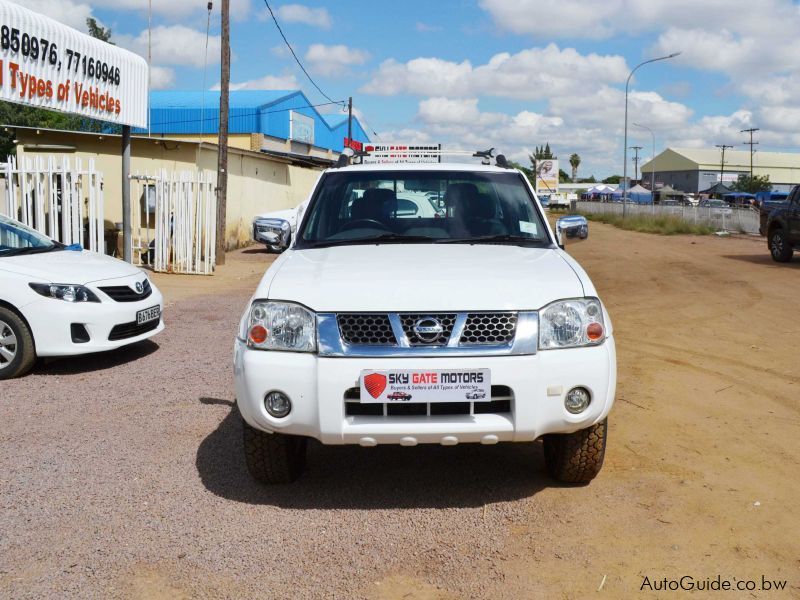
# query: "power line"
(288, 45)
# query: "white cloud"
(421, 27)
(268, 82)
(299, 13)
(175, 9)
(530, 74)
(68, 12)
(162, 78)
(175, 45)
(334, 60)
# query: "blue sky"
(512, 74)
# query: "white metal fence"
(174, 221)
(742, 220)
(57, 197)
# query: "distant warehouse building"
(276, 122)
(696, 169)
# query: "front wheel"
(576, 457)
(273, 457)
(17, 352)
(779, 246)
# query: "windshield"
(16, 238)
(360, 207)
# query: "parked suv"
(478, 314)
(780, 222)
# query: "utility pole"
(222, 163)
(350, 121)
(722, 147)
(751, 143)
(636, 162)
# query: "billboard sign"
(44, 63)
(301, 128)
(546, 176)
(402, 153)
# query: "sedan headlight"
(64, 291)
(571, 323)
(281, 326)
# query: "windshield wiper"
(494, 239)
(30, 250)
(386, 238)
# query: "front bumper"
(317, 387)
(51, 320)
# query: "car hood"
(66, 266)
(422, 277)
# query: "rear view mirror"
(570, 229)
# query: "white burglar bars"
(174, 223)
(55, 198)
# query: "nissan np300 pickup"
(385, 325)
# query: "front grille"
(366, 329)
(129, 330)
(489, 329)
(123, 293)
(499, 404)
(409, 320)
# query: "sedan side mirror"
(570, 229)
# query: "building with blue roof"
(281, 122)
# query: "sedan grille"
(129, 330)
(123, 293)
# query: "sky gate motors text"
(424, 377)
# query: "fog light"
(278, 405)
(577, 400)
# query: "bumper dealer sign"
(402, 386)
(46, 64)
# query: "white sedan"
(58, 301)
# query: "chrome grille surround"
(385, 334)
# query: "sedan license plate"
(407, 385)
(148, 314)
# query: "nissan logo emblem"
(428, 330)
(139, 287)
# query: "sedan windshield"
(16, 238)
(390, 207)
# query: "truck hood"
(421, 277)
(66, 266)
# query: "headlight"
(63, 291)
(571, 323)
(281, 326)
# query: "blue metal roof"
(251, 111)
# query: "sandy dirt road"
(121, 475)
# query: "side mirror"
(570, 229)
(275, 233)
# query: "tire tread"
(576, 457)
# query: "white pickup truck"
(466, 325)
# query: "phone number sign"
(46, 64)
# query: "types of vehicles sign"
(407, 385)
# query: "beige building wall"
(256, 183)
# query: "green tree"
(589, 179)
(574, 161)
(98, 31)
(613, 179)
(29, 116)
(751, 185)
(563, 176)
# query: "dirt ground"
(121, 475)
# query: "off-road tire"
(25, 349)
(273, 457)
(779, 246)
(576, 457)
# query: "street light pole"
(625, 144)
(653, 157)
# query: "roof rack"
(402, 153)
